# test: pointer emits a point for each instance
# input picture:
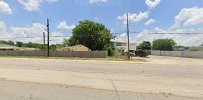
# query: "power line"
(175, 33)
(66, 36)
(48, 37)
(128, 34)
(33, 37)
(160, 32)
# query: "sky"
(26, 18)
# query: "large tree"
(163, 44)
(19, 44)
(146, 45)
(91, 34)
(7, 42)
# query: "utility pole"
(44, 46)
(128, 37)
(44, 39)
(47, 37)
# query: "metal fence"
(82, 54)
(189, 54)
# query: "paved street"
(160, 78)
(10, 90)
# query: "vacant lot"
(160, 78)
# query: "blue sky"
(24, 17)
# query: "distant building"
(28, 49)
(117, 44)
(75, 48)
(179, 48)
(122, 46)
(5, 47)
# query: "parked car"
(142, 53)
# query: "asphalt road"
(10, 90)
(42, 79)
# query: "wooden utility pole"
(44, 46)
(44, 39)
(128, 37)
(47, 37)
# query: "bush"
(194, 49)
(111, 50)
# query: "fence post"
(160, 52)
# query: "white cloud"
(123, 38)
(157, 29)
(32, 31)
(3, 31)
(22, 33)
(31, 5)
(96, 18)
(5, 8)
(181, 39)
(134, 17)
(59, 39)
(34, 5)
(62, 25)
(152, 3)
(50, 1)
(150, 21)
(97, 1)
(186, 17)
(189, 17)
(2, 27)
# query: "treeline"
(53, 47)
(161, 44)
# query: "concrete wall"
(190, 54)
(81, 54)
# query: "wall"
(82, 54)
(190, 54)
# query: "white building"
(123, 46)
(5, 47)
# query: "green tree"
(163, 44)
(19, 44)
(194, 49)
(29, 44)
(54, 47)
(65, 42)
(111, 49)
(3, 42)
(7, 42)
(11, 43)
(146, 45)
(91, 34)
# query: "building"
(75, 48)
(5, 47)
(122, 46)
(28, 49)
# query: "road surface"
(161, 78)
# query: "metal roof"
(5, 46)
